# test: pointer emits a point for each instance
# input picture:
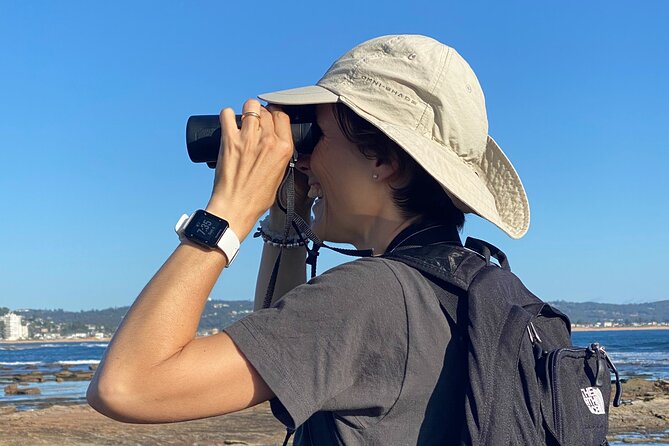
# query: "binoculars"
(203, 133)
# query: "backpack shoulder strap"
(445, 261)
(448, 268)
(487, 250)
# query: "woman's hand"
(251, 164)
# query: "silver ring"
(251, 113)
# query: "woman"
(363, 353)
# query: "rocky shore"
(20, 383)
(645, 411)
(645, 414)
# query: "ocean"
(635, 353)
(642, 353)
(48, 359)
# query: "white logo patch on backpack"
(593, 398)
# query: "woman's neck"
(382, 231)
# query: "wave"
(78, 362)
(64, 345)
(22, 363)
(32, 346)
(17, 348)
(639, 357)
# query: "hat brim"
(310, 95)
(499, 197)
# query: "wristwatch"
(210, 231)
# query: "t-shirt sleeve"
(336, 343)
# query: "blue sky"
(94, 99)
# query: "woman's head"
(362, 179)
(352, 196)
(424, 96)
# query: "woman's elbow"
(112, 400)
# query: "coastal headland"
(643, 418)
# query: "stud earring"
(375, 176)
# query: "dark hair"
(422, 195)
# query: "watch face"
(205, 228)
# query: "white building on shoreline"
(14, 330)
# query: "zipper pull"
(599, 374)
(537, 348)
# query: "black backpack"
(526, 384)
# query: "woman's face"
(341, 177)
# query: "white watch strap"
(229, 244)
(181, 225)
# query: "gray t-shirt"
(360, 355)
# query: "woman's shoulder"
(366, 269)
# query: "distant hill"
(221, 313)
(592, 312)
(217, 314)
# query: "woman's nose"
(303, 162)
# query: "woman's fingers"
(252, 161)
(251, 117)
(229, 130)
(281, 124)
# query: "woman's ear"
(387, 169)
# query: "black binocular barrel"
(203, 137)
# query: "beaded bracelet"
(274, 239)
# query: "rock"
(66, 375)
(662, 385)
(4, 410)
(30, 391)
(14, 389)
(93, 367)
(637, 388)
(29, 377)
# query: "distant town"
(46, 325)
(28, 324)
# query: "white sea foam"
(16, 348)
(78, 362)
(22, 363)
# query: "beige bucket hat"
(426, 98)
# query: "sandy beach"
(47, 341)
(80, 425)
(659, 327)
(646, 411)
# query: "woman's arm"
(292, 270)
(154, 369)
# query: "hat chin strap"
(301, 227)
